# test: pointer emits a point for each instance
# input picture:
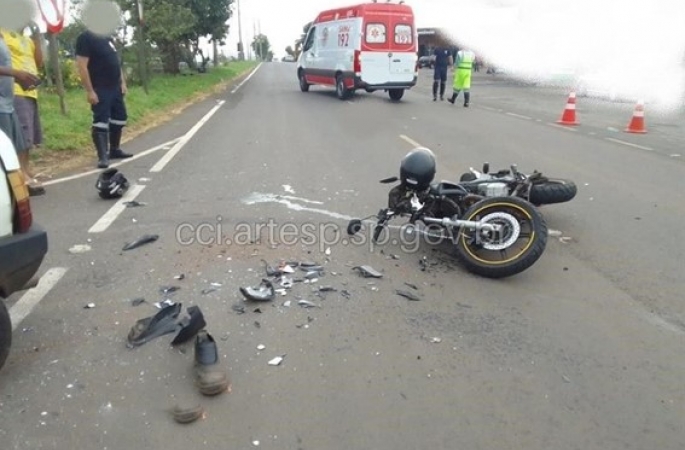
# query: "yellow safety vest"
(466, 62)
(22, 49)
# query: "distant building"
(430, 38)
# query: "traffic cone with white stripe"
(569, 115)
(637, 123)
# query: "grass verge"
(66, 138)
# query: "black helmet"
(417, 169)
(111, 184)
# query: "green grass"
(71, 133)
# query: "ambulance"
(370, 46)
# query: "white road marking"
(20, 310)
(235, 89)
(110, 216)
(164, 160)
(562, 127)
(629, 144)
(165, 145)
(410, 140)
(520, 116)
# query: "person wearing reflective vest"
(462, 76)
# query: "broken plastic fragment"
(239, 308)
(89, 306)
(276, 361)
(327, 289)
(165, 303)
(307, 304)
(261, 347)
(168, 289)
(137, 301)
(145, 239)
(328, 251)
(134, 204)
(436, 340)
(263, 293)
(368, 272)
(180, 277)
(408, 295)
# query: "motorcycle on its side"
(495, 236)
(536, 188)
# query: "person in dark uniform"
(105, 85)
(443, 60)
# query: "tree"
(289, 50)
(261, 46)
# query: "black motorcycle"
(535, 188)
(495, 237)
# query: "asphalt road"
(582, 351)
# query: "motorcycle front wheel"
(517, 245)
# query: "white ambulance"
(371, 46)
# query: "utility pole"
(241, 50)
(254, 32)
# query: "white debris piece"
(276, 361)
(80, 248)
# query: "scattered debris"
(328, 251)
(257, 310)
(145, 239)
(165, 303)
(288, 188)
(277, 361)
(327, 289)
(148, 328)
(287, 304)
(239, 308)
(168, 289)
(89, 306)
(368, 272)
(436, 340)
(408, 295)
(79, 249)
(187, 415)
(137, 301)
(208, 291)
(264, 292)
(261, 347)
(134, 204)
(345, 293)
(413, 286)
(554, 233)
(307, 304)
(180, 277)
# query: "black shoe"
(209, 377)
(450, 100)
(435, 99)
(119, 154)
(466, 105)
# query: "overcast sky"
(541, 33)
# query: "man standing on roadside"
(9, 123)
(103, 79)
(27, 55)
(443, 60)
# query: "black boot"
(442, 91)
(467, 98)
(454, 98)
(435, 90)
(115, 151)
(100, 138)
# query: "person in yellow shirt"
(27, 56)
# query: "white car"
(23, 244)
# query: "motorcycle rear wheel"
(552, 190)
(517, 247)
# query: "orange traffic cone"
(569, 115)
(637, 123)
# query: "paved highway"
(582, 351)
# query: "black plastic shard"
(368, 272)
(145, 239)
(164, 322)
(408, 295)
